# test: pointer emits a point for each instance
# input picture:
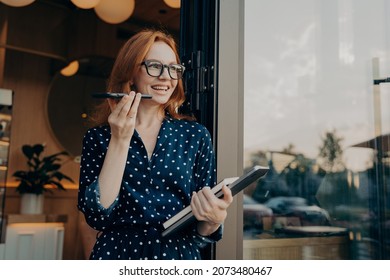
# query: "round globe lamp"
(114, 12)
(173, 3)
(17, 3)
(85, 4)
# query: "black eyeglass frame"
(145, 63)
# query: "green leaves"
(42, 172)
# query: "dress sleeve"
(206, 176)
(92, 157)
(205, 165)
(203, 241)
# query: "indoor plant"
(42, 173)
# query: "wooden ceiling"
(63, 31)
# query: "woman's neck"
(149, 116)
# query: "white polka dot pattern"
(152, 191)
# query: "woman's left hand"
(209, 209)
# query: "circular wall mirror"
(69, 101)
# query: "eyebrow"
(153, 59)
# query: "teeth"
(160, 88)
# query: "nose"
(165, 73)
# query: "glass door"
(316, 110)
(198, 53)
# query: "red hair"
(130, 56)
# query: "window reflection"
(309, 115)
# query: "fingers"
(122, 119)
(210, 198)
(127, 106)
(227, 195)
(134, 107)
(201, 204)
(207, 207)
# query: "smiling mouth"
(160, 88)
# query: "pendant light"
(17, 3)
(71, 69)
(85, 4)
(173, 3)
(114, 11)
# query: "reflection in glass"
(309, 114)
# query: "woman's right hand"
(122, 123)
(123, 116)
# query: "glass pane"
(5, 133)
(312, 113)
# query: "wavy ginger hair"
(126, 66)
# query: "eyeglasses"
(155, 68)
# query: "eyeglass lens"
(156, 69)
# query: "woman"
(144, 161)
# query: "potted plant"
(42, 173)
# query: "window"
(312, 113)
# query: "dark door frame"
(199, 54)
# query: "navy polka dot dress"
(152, 191)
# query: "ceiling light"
(71, 69)
(173, 3)
(114, 11)
(85, 4)
(17, 3)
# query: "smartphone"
(116, 95)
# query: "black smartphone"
(116, 95)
